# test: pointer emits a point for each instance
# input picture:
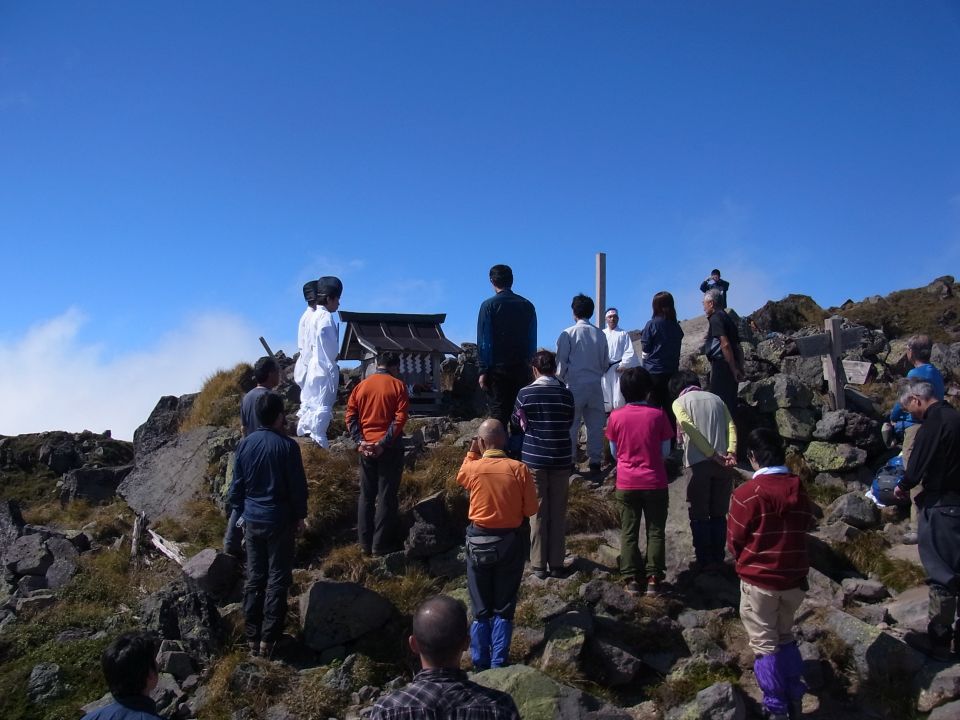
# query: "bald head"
(440, 630)
(492, 433)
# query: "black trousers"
(493, 588)
(724, 385)
(377, 512)
(269, 576)
(660, 394)
(502, 387)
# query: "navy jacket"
(506, 332)
(269, 485)
(126, 707)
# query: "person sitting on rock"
(441, 690)
(502, 497)
(710, 449)
(270, 490)
(130, 667)
(642, 434)
(770, 516)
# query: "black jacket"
(935, 459)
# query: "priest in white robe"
(319, 393)
(621, 357)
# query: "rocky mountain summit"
(79, 567)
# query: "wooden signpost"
(830, 346)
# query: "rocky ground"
(583, 647)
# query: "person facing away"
(130, 668)
(770, 516)
(377, 410)
(543, 415)
(661, 340)
(304, 334)
(621, 356)
(506, 340)
(441, 690)
(266, 372)
(270, 490)
(582, 360)
(642, 436)
(714, 282)
(723, 351)
(935, 466)
(710, 449)
(319, 393)
(502, 497)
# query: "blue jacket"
(269, 485)
(900, 417)
(506, 332)
(127, 707)
(661, 340)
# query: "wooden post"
(832, 368)
(138, 526)
(601, 288)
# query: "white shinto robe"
(621, 354)
(319, 391)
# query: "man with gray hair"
(904, 425)
(722, 348)
(935, 466)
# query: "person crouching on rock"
(270, 490)
(502, 498)
(641, 432)
(767, 526)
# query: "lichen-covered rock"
(46, 683)
(875, 654)
(539, 697)
(937, 685)
(864, 589)
(28, 555)
(432, 530)
(779, 391)
(827, 457)
(563, 648)
(795, 424)
(182, 612)
(720, 701)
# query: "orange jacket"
(502, 492)
(377, 409)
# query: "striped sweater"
(767, 527)
(544, 413)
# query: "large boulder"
(162, 425)
(539, 697)
(96, 485)
(28, 555)
(937, 685)
(333, 613)
(212, 571)
(854, 509)
(46, 683)
(795, 424)
(11, 524)
(181, 611)
(720, 701)
(947, 359)
(175, 473)
(809, 370)
(432, 530)
(876, 655)
(788, 315)
(829, 457)
(779, 391)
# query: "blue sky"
(171, 173)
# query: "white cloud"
(57, 381)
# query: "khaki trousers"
(909, 436)
(548, 528)
(767, 616)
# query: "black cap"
(310, 291)
(329, 286)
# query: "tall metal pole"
(601, 287)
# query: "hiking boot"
(653, 585)
(267, 648)
(909, 538)
(539, 573)
(633, 588)
(254, 647)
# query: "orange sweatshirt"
(502, 492)
(377, 409)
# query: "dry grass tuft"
(200, 525)
(332, 490)
(590, 511)
(218, 402)
(311, 698)
(697, 676)
(78, 513)
(868, 554)
(435, 472)
(346, 564)
(407, 591)
(224, 699)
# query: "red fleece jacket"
(767, 527)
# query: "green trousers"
(651, 506)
